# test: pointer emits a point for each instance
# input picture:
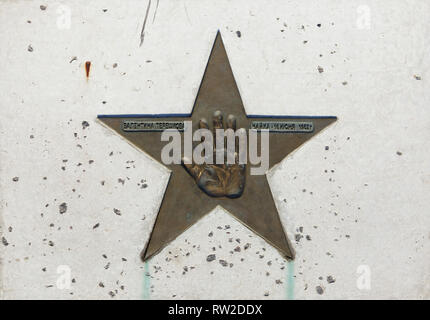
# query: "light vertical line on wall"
(290, 280)
(146, 281)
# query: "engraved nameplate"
(283, 126)
(143, 125)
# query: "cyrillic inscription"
(283, 126)
(143, 125)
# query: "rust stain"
(87, 68)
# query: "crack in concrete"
(155, 12)
(142, 33)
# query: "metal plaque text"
(283, 126)
(142, 125)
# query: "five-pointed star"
(184, 202)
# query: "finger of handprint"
(241, 145)
(192, 169)
(217, 125)
(218, 120)
(231, 122)
(229, 157)
(203, 124)
(230, 137)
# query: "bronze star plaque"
(194, 190)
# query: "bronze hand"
(219, 180)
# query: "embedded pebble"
(210, 258)
(319, 290)
(63, 208)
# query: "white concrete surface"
(363, 203)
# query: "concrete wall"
(354, 200)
